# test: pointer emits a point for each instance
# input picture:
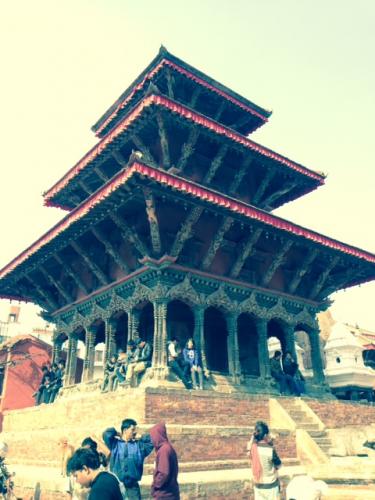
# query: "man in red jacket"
(164, 485)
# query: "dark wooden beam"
(100, 174)
(118, 156)
(186, 231)
(220, 110)
(240, 174)
(270, 173)
(216, 242)
(320, 282)
(54, 282)
(163, 141)
(302, 270)
(72, 273)
(94, 268)
(45, 296)
(269, 201)
(110, 249)
(337, 283)
(215, 164)
(85, 188)
(170, 83)
(130, 235)
(153, 221)
(188, 148)
(277, 260)
(141, 146)
(194, 96)
(244, 252)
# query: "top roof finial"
(163, 50)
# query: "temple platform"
(209, 431)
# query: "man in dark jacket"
(128, 455)
(84, 465)
(164, 484)
(139, 363)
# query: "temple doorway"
(216, 335)
(120, 325)
(248, 345)
(146, 322)
(180, 322)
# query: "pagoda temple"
(169, 231)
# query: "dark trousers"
(286, 382)
(179, 371)
(133, 492)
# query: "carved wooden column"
(71, 363)
(199, 334)
(290, 344)
(133, 324)
(110, 341)
(88, 364)
(263, 354)
(316, 357)
(159, 356)
(56, 350)
(233, 351)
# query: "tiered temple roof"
(174, 182)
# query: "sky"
(310, 62)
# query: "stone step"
(308, 426)
(317, 434)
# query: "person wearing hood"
(164, 484)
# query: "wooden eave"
(124, 185)
(165, 60)
(305, 177)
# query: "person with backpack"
(128, 454)
(264, 464)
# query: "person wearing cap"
(141, 361)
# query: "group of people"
(51, 383)
(286, 372)
(94, 475)
(123, 369)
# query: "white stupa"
(345, 368)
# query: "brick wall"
(205, 408)
(336, 414)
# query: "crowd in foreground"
(115, 471)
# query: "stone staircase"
(306, 422)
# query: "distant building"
(350, 362)
(21, 360)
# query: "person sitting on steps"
(285, 380)
(177, 363)
(140, 362)
(109, 374)
(193, 363)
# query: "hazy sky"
(311, 62)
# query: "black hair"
(61, 362)
(131, 343)
(93, 445)
(128, 422)
(277, 354)
(83, 457)
(261, 430)
(190, 340)
(45, 368)
(54, 365)
(174, 339)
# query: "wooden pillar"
(56, 350)
(133, 324)
(199, 334)
(159, 356)
(88, 364)
(290, 344)
(71, 363)
(233, 351)
(316, 357)
(263, 354)
(110, 341)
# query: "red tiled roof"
(191, 189)
(188, 114)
